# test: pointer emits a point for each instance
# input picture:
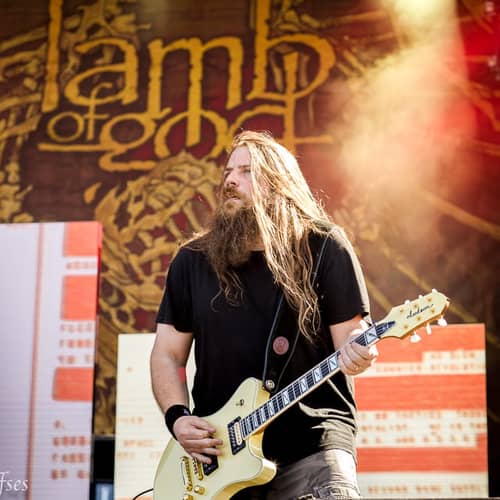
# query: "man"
(223, 289)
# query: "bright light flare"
(409, 114)
(418, 19)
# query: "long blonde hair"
(286, 213)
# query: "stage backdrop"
(120, 112)
(48, 299)
(422, 418)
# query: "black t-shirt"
(230, 343)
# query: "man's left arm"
(354, 358)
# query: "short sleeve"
(342, 288)
(176, 305)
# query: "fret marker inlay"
(371, 335)
(303, 385)
(332, 362)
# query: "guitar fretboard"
(298, 389)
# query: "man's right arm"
(168, 359)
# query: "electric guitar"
(241, 421)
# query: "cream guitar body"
(180, 477)
(241, 422)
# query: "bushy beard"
(231, 238)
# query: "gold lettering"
(220, 125)
(263, 44)
(127, 69)
(116, 148)
(51, 91)
(286, 110)
(56, 136)
(196, 50)
(92, 116)
(262, 109)
(155, 122)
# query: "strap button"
(269, 385)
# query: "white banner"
(48, 307)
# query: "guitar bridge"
(186, 474)
(198, 469)
(235, 437)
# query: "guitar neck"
(262, 416)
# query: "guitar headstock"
(414, 314)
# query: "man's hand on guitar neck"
(196, 436)
(353, 358)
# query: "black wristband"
(172, 414)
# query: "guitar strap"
(281, 343)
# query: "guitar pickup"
(209, 468)
(235, 437)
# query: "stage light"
(419, 18)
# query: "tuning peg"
(407, 301)
(442, 322)
(415, 337)
(428, 329)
